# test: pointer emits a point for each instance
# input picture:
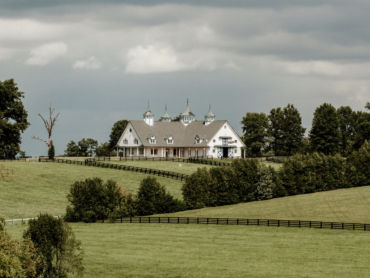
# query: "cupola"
(209, 117)
(187, 116)
(148, 117)
(166, 117)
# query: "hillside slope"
(344, 205)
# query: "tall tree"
(13, 118)
(292, 130)
(49, 126)
(324, 134)
(87, 147)
(346, 120)
(275, 129)
(254, 127)
(72, 149)
(116, 133)
(56, 246)
(361, 129)
(105, 150)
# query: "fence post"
(247, 222)
(278, 223)
(178, 220)
(299, 223)
(237, 221)
(288, 223)
(130, 219)
(268, 222)
(258, 222)
(207, 220)
(332, 225)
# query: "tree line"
(333, 131)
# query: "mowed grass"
(342, 205)
(177, 167)
(172, 250)
(42, 187)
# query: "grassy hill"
(171, 250)
(42, 187)
(344, 205)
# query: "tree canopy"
(116, 133)
(13, 118)
(255, 127)
(324, 134)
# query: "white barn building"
(186, 138)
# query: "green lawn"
(171, 250)
(177, 167)
(42, 187)
(343, 205)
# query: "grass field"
(171, 250)
(343, 205)
(42, 187)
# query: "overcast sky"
(100, 63)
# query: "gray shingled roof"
(183, 136)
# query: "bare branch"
(38, 138)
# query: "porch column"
(137, 151)
(153, 152)
(130, 151)
(162, 152)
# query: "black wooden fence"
(12, 159)
(159, 173)
(251, 222)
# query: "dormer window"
(197, 140)
(152, 139)
(125, 141)
(136, 141)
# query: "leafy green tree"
(223, 189)
(17, 259)
(255, 127)
(196, 189)
(92, 199)
(292, 130)
(176, 119)
(56, 246)
(275, 129)
(361, 129)
(51, 151)
(87, 147)
(265, 185)
(324, 134)
(152, 198)
(358, 171)
(72, 149)
(116, 132)
(13, 118)
(105, 150)
(346, 119)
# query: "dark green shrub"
(358, 170)
(152, 198)
(195, 191)
(264, 185)
(245, 178)
(92, 200)
(222, 188)
(51, 151)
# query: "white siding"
(130, 136)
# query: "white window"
(152, 140)
(155, 151)
(189, 152)
(214, 150)
(141, 151)
(214, 141)
(170, 140)
(125, 141)
(235, 150)
(136, 141)
(132, 151)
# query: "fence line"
(248, 222)
(23, 220)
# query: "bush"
(265, 185)
(152, 198)
(313, 172)
(56, 246)
(93, 200)
(222, 188)
(51, 151)
(245, 178)
(195, 191)
(358, 171)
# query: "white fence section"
(23, 220)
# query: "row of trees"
(249, 180)
(93, 199)
(333, 131)
(90, 147)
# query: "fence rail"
(13, 159)
(248, 222)
(23, 220)
(159, 173)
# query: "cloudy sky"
(100, 63)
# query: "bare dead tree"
(49, 126)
